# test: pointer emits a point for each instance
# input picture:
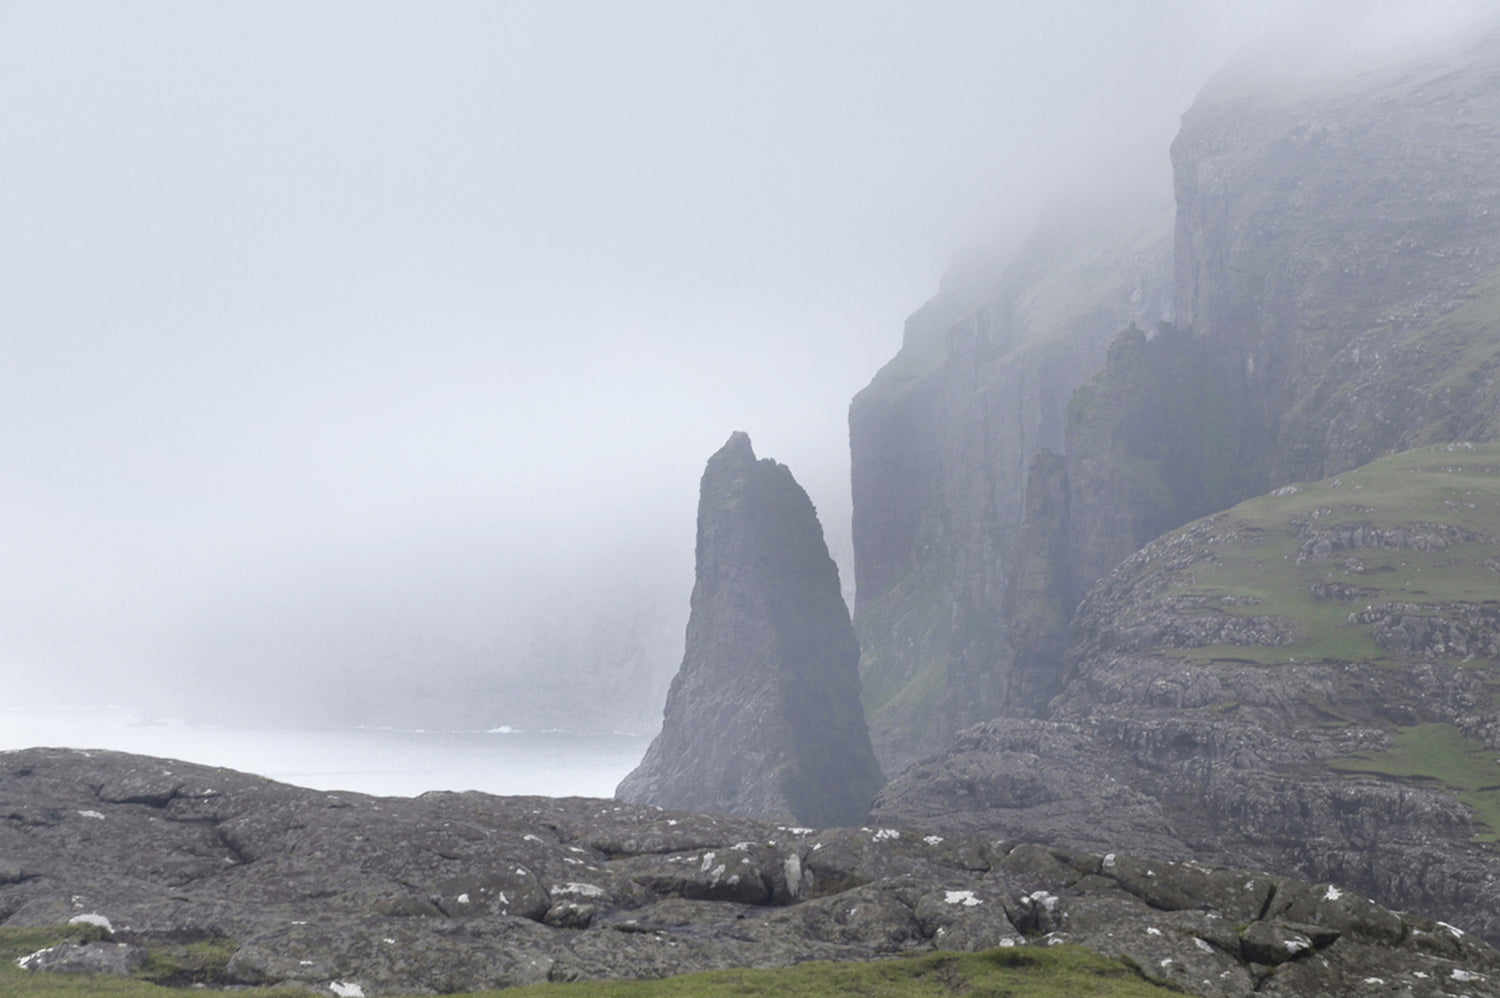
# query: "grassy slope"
(1430, 486)
(1052, 972)
(1021, 973)
(1445, 485)
(1439, 754)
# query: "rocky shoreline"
(342, 892)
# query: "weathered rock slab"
(449, 892)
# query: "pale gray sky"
(408, 310)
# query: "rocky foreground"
(347, 893)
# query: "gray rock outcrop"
(1302, 683)
(348, 894)
(764, 717)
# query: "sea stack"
(763, 718)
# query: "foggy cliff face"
(344, 343)
(1325, 228)
(1336, 263)
(943, 441)
(1334, 246)
(1250, 687)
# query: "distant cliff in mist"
(1046, 479)
(944, 442)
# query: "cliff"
(1337, 283)
(1305, 682)
(1342, 237)
(763, 718)
(192, 876)
(1335, 287)
(941, 442)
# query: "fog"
(361, 359)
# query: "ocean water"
(380, 761)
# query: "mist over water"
(361, 360)
(385, 762)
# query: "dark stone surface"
(463, 891)
(453, 892)
(764, 716)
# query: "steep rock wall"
(1337, 296)
(1304, 682)
(1157, 438)
(764, 718)
(942, 441)
(1329, 231)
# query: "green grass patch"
(180, 964)
(1439, 754)
(1021, 972)
(16, 942)
(1448, 484)
(1254, 569)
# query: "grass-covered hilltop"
(1394, 563)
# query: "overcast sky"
(421, 305)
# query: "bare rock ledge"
(448, 891)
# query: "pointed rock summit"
(764, 718)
